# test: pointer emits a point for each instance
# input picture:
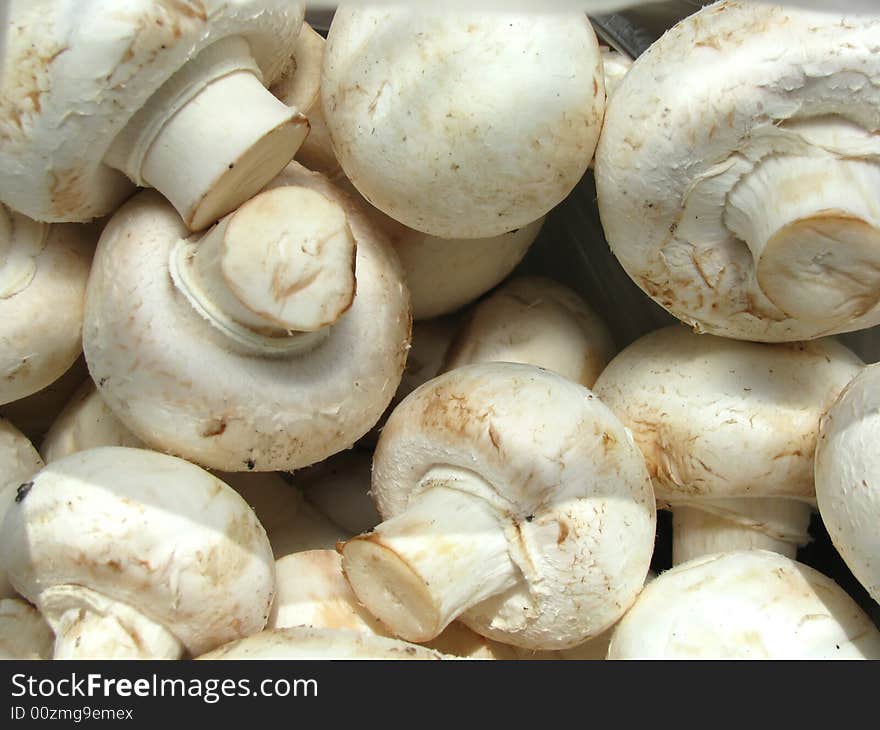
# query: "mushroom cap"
(536, 321)
(751, 604)
(302, 642)
(173, 381)
(19, 461)
(713, 95)
(78, 71)
(23, 632)
(719, 418)
(848, 477)
(569, 484)
(493, 115)
(41, 324)
(149, 530)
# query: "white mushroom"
(301, 642)
(745, 205)
(132, 554)
(728, 429)
(848, 477)
(615, 65)
(43, 274)
(312, 591)
(464, 125)
(170, 94)
(300, 87)
(744, 605)
(258, 356)
(536, 321)
(514, 500)
(339, 488)
(19, 461)
(23, 632)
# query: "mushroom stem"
(717, 526)
(88, 624)
(211, 136)
(21, 241)
(420, 570)
(812, 224)
(274, 275)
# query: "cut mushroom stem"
(88, 624)
(21, 241)
(274, 275)
(717, 526)
(417, 571)
(171, 143)
(812, 224)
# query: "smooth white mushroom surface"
(535, 321)
(728, 429)
(268, 344)
(512, 499)
(19, 461)
(300, 642)
(464, 125)
(23, 632)
(43, 274)
(128, 553)
(744, 605)
(101, 94)
(848, 477)
(735, 176)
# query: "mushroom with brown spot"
(269, 343)
(165, 95)
(128, 553)
(729, 430)
(513, 500)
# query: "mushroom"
(256, 355)
(34, 414)
(171, 95)
(615, 66)
(19, 461)
(751, 604)
(465, 125)
(848, 477)
(339, 488)
(728, 429)
(514, 500)
(536, 321)
(301, 642)
(300, 87)
(128, 553)
(311, 591)
(290, 523)
(23, 632)
(43, 275)
(746, 205)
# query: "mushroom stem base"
(90, 625)
(778, 525)
(420, 570)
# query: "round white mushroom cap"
(43, 275)
(128, 552)
(301, 642)
(19, 461)
(513, 499)
(848, 477)
(23, 632)
(464, 125)
(172, 94)
(744, 605)
(719, 418)
(735, 180)
(536, 321)
(193, 372)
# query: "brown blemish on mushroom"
(214, 428)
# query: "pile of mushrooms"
(317, 392)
